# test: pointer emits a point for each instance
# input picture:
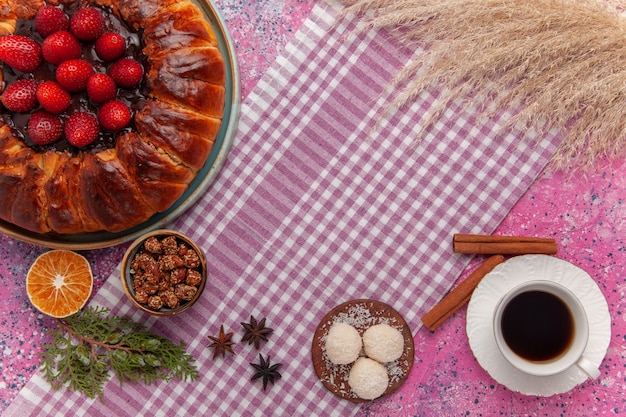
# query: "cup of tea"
(541, 328)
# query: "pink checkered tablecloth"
(322, 199)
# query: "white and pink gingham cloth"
(322, 199)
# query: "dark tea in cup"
(537, 325)
(541, 328)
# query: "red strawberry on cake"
(44, 128)
(87, 24)
(21, 96)
(73, 74)
(110, 46)
(101, 88)
(20, 52)
(53, 97)
(50, 19)
(114, 115)
(126, 72)
(81, 129)
(60, 46)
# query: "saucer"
(503, 278)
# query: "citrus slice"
(59, 283)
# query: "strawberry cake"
(109, 109)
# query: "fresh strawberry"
(114, 115)
(50, 19)
(60, 46)
(110, 46)
(126, 72)
(73, 74)
(21, 96)
(53, 97)
(87, 24)
(44, 128)
(81, 129)
(101, 88)
(20, 52)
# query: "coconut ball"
(383, 343)
(343, 344)
(368, 378)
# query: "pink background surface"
(586, 214)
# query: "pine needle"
(549, 63)
(90, 344)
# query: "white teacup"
(531, 329)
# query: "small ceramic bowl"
(142, 272)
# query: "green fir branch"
(90, 344)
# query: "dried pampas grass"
(550, 63)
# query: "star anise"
(222, 344)
(264, 370)
(255, 332)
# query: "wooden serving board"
(361, 314)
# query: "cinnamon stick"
(459, 295)
(503, 245)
